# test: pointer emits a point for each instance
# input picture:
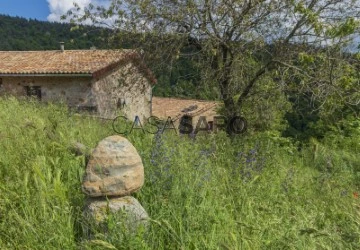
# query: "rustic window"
(33, 91)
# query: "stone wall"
(74, 91)
(124, 91)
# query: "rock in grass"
(114, 169)
(117, 213)
(78, 149)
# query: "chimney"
(62, 47)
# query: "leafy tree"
(270, 34)
(330, 93)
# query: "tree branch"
(251, 84)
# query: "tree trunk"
(225, 63)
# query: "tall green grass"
(212, 192)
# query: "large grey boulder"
(114, 169)
(125, 213)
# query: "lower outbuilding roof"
(175, 108)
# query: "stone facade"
(74, 91)
(124, 90)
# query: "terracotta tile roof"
(163, 107)
(90, 62)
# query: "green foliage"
(40, 192)
(319, 106)
(346, 28)
(210, 192)
(180, 78)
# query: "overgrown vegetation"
(255, 191)
(292, 181)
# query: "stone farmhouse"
(105, 82)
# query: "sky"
(44, 10)
(35, 9)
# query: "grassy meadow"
(254, 191)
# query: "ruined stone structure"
(106, 82)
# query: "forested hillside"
(27, 34)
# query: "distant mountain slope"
(28, 34)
